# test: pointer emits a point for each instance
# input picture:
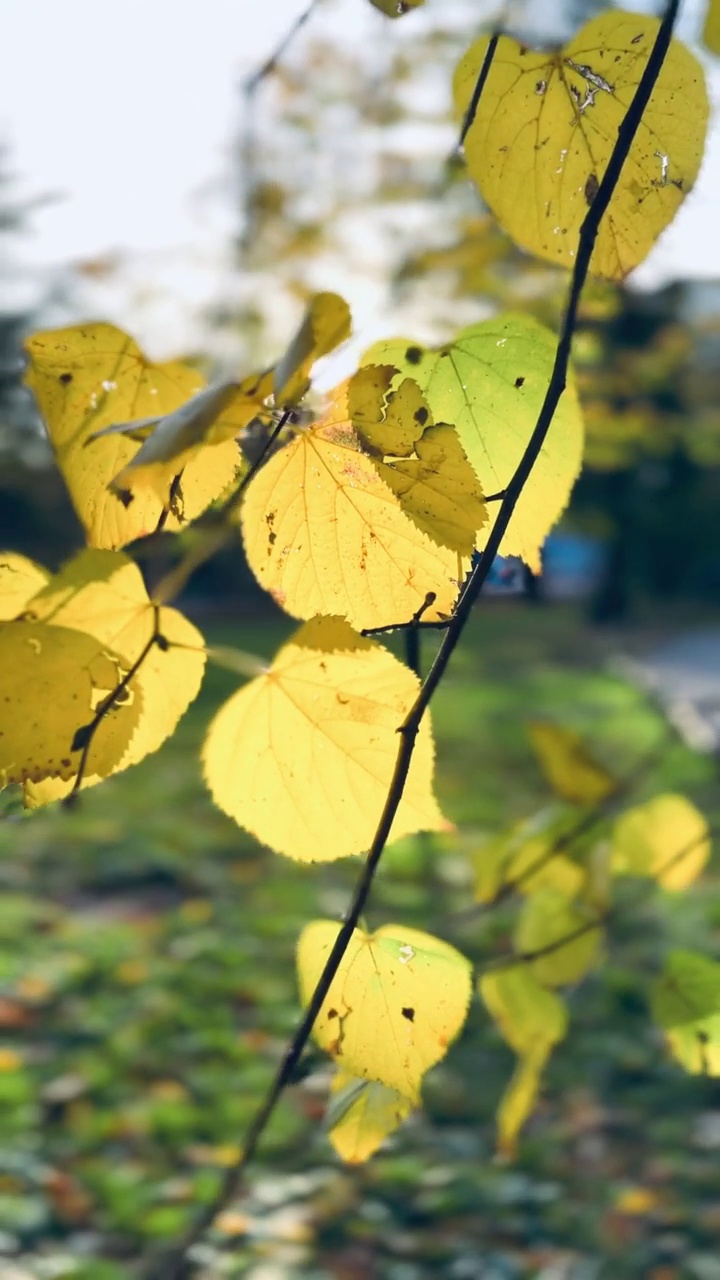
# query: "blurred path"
(684, 675)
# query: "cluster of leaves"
(366, 518)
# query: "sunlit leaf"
(422, 462)
(546, 918)
(210, 418)
(103, 594)
(532, 1020)
(569, 767)
(546, 125)
(398, 1000)
(686, 1004)
(325, 535)
(666, 838)
(52, 681)
(491, 383)
(93, 376)
(325, 325)
(20, 578)
(303, 755)
(361, 1115)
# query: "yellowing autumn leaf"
(361, 1115)
(52, 681)
(303, 755)
(422, 462)
(325, 535)
(102, 593)
(396, 8)
(20, 578)
(686, 1004)
(546, 125)
(398, 1000)
(524, 856)
(491, 383)
(666, 838)
(93, 376)
(547, 918)
(569, 767)
(532, 1021)
(167, 445)
(711, 26)
(325, 325)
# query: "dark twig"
(173, 495)
(176, 1266)
(478, 90)
(84, 736)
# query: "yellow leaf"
(546, 918)
(93, 376)
(509, 858)
(667, 839)
(430, 472)
(52, 681)
(208, 419)
(303, 755)
(711, 27)
(398, 1000)
(326, 324)
(325, 535)
(546, 125)
(361, 1115)
(103, 594)
(569, 767)
(20, 578)
(531, 1020)
(491, 383)
(686, 1004)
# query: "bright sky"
(127, 115)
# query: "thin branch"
(474, 103)
(85, 735)
(217, 532)
(176, 1266)
(166, 512)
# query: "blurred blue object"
(573, 565)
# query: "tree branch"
(176, 1266)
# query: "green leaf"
(685, 1002)
(491, 383)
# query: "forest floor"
(147, 968)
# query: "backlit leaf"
(546, 125)
(666, 838)
(93, 376)
(398, 1000)
(208, 419)
(326, 324)
(20, 578)
(491, 383)
(361, 1115)
(686, 1004)
(532, 1020)
(325, 535)
(103, 594)
(546, 918)
(52, 681)
(569, 767)
(303, 755)
(429, 471)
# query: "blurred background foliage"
(146, 944)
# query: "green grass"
(146, 955)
